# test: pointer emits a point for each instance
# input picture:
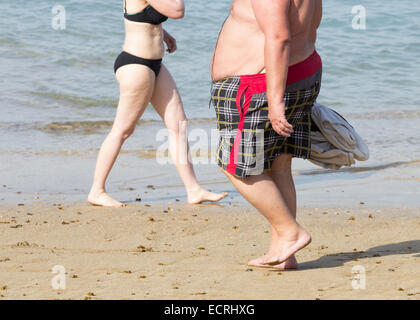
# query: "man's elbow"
(279, 40)
(278, 44)
(178, 13)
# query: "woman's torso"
(144, 40)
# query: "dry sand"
(200, 252)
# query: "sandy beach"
(58, 100)
(178, 251)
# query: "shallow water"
(58, 96)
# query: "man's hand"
(170, 42)
(277, 116)
(273, 18)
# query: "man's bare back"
(240, 49)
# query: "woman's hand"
(277, 116)
(170, 42)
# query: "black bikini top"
(147, 15)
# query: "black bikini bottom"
(126, 58)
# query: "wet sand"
(178, 251)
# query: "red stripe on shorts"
(255, 84)
(249, 85)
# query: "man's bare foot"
(203, 195)
(102, 199)
(287, 247)
(289, 264)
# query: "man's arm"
(273, 19)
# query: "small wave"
(385, 115)
(78, 127)
(49, 153)
(141, 153)
(85, 127)
(201, 120)
(83, 61)
(83, 102)
(12, 42)
(362, 169)
(153, 153)
(92, 127)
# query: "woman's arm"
(174, 9)
(170, 41)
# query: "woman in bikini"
(144, 79)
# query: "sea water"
(58, 97)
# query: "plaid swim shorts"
(248, 144)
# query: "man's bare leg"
(262, 192)
(281, 173)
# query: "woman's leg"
(136, 89)
(281, 173)
(262, 192)
(167, 102)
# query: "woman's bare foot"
(102, 199)
(203, 195)
(289, 264)
(286, 247)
